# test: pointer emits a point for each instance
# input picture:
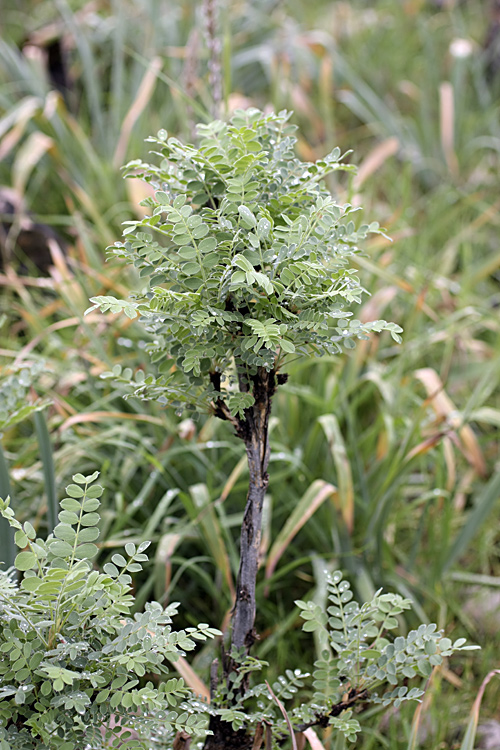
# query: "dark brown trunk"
(224, 737)
(254, 431)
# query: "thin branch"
(322, 720)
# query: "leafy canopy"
(247, 258)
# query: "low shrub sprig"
(73, 657)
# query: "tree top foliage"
(247, 258)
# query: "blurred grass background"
(407, 434)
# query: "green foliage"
(247, 256)
(358, 646)
(14, 395)
(74, 658)
(72, 654)
(16, 403)
(360, 656)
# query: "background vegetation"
(408, 434)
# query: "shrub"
(76, 666)
(247, 256)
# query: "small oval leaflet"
(84, 551)
(60, 548)
(190, 269)
(25, 561)
(248, 220)
(207, 245)
(64, 532)
(21, 539)
(91, 519)
(263, 228)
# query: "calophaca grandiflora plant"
(246, 257)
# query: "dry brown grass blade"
(14, 125)
(106, 280)
(313, 739)
(141, 100)
(314, 496)
(137, 191)
(415, 725)
(269, 737)
(60, 324)
(285, 715)
(470, 735)
(258, 736)
(163, 558)
(425, 446)
(232, 479)
(102, 416)
(451, 677)
(25, 281)
(463, 490)
(68, 285)
(28, 156)
(447, 414)
(374, 160)
(15, 282)
(374, 307)
(447, 125)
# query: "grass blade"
(141, 100)
(446, 412)
(474, 521)
(470, 734)
(93, 89)
(7, 546)
(331, 428)
(313, 739)
(305, 508)
(210, 528)
(285, 715)
(413, 742)
(46, 455)
(103, 416)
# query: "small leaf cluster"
(256, 705)
(72, 654)
(359, 655)
(15, 402)
(246, 257)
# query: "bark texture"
(254, 431)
